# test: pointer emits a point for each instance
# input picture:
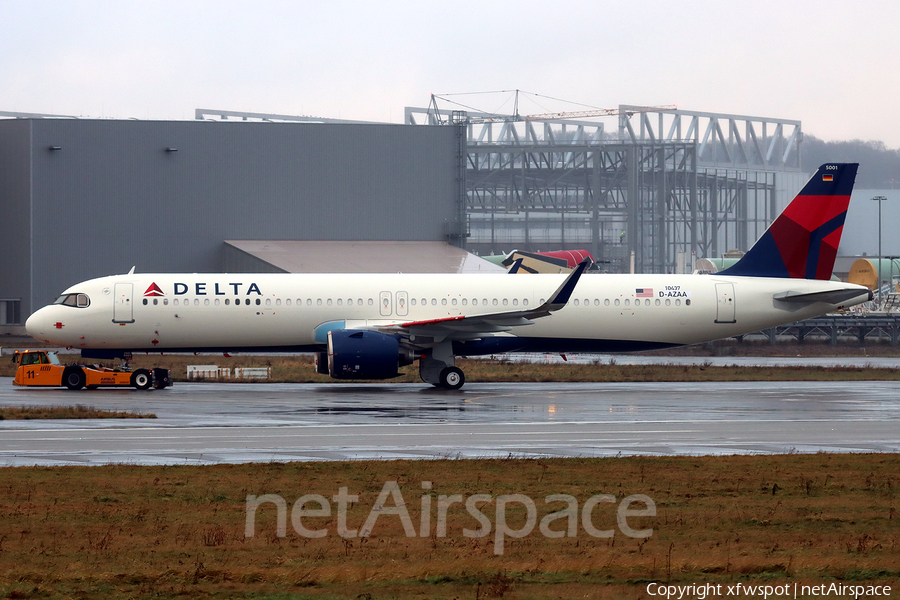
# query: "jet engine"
(364, 354)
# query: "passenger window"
(617, 302)
(443, 302)
(206, 302)
(227, 301)
(155, 301)
(474, 301)
(196, 302)
(606, 302)
(657, 302)
(288, 301)
(505, 302)
(627, 302)
(278, 302)
(677, 302)
(668, 302)
(412, 301)
(525, 302)
(687, 302)
(216, 301)
(465, 301)
(515, 301)
(165, 301)
(576, 302)
(495, 302)
(145, 302)
(340, 302)
(328, 302)
(434, 301)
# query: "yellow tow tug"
(42, 368)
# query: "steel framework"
(671, 186)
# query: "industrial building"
(83, 198)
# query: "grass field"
(179, 532)
(77, 411)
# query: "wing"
(462, 327)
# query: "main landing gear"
(439, 369)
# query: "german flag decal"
(827, 177)
(154, 290)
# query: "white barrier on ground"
(201, 372)
(253, 372)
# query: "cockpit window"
(76, 300)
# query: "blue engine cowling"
(362, 354)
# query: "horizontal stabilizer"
(828, 297)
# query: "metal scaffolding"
(668, 188)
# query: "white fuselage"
(191, 312)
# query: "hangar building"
(84, 198)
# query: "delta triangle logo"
(154, 290)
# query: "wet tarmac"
(202, 423)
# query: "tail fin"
(802, 242)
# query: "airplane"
(366, 326)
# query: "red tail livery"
(802, 243)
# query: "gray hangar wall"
(87, 198)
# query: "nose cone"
(39, 325)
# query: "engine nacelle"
(322, 363)
(362, 354)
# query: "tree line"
(879, 166)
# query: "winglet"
(561, 296)
(802, 243)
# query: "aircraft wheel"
(141, 379)
(74, 379)
(452, 378)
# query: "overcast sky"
(833, 65)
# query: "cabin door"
(123, 311)
(385, 302)
(725, 306)
(402, 304)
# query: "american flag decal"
(643, 293)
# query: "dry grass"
(78, 411)
(134, 532)
(300, 369)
